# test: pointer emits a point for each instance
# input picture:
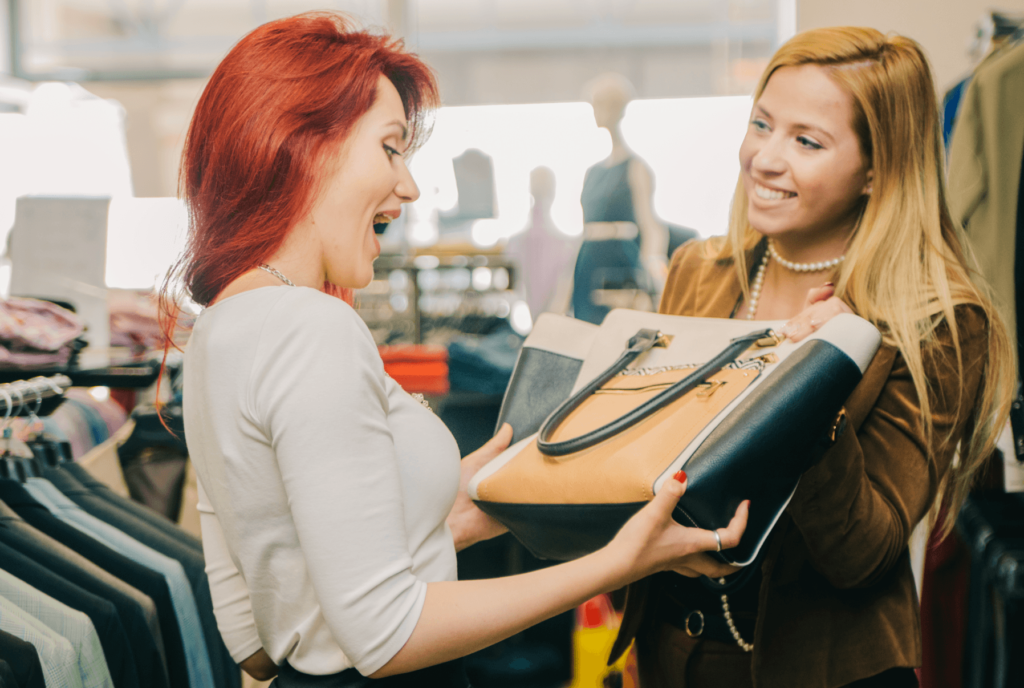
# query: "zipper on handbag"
(708, 388)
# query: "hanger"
(11, 445)
(47, 448)
(18, 460)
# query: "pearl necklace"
(755, 288)
(266, 268)
(755, 296)
(803, 267)
(758, 284)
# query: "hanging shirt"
(200, 674)
(103, 614)
(23, 660)
(62, 619)
(135, 608)
(59, 660)
(225, 671)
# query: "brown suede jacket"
(838, 601)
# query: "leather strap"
(638, 344)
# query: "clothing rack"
(71, 549)
(131, 374)
(38, 396)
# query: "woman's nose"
(770, 157)
(406, 188)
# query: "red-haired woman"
(331, 501)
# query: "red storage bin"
(417, 367)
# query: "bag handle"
(638, 344)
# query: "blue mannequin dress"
(608, 263)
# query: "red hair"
(254, 154)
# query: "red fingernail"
(829, 284)
(680, 476)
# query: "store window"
(691, 144)
(511, 74)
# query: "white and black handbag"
(743, 411)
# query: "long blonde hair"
(908, 264)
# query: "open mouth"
(764, 193)
(381, 222)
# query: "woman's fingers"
(686, 571)
(704, 565)
(821, 293)
(670, 545)
(664, 502)
(732, 533)
(501, 439)
(729, 536)
(493, 447)
(813, 317)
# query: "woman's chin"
(764, 226)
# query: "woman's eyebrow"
(401, 125)
(811, 127)
(801, 127)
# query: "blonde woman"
(840, 207)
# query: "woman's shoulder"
(941, 351)
(303, 301)
(288, 313)
(309, 339)
(699, 250)
(970, 323)
(971, 319)
(944, 357)
(697, 263)
(311, 312)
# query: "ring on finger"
(718, 539)
(814, 323)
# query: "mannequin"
(542, 250)
(617, 212)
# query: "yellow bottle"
(597, 624)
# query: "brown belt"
(703, 623)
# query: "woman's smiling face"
(802, 165)
(367, 182)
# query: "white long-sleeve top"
(324, 487)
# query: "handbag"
(742, 410)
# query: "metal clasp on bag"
(699, 616)
(769, 358)
(839, 426)
(642, 341)
(773, 339)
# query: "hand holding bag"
(743, 412)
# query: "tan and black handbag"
(743, 411)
